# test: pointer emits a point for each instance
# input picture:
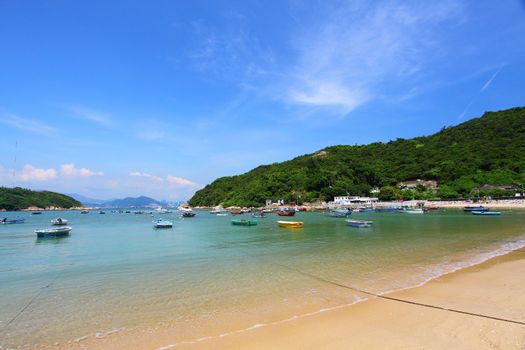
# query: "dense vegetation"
(485, 150)
(20, 198)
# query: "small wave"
(446, 267)
(100, 335)
(260, 325)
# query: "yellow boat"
(291, 224)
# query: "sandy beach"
(481, 307)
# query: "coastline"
(493, 288)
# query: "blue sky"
(125, 98)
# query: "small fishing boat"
(290, 224)
(6, 221)
(258, 215)
(387, 209)
(59, 222)
(412, 211)
(53, 232)
(366, 210)
(244, 222)
(102, 212)
(359, 223)
(478, 208)
(36, 213)
(188, 214)
(222, 214)
(84, 212)
(476, 212)
(285, 212)
(238, 212)
(218, 210)
(340, 213)
(161, 223)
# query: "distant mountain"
(21, 198)
(129, 202)
(86, 201)
(463, 159)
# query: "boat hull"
(53, 232)
(359, 223)
(488, 213)
(290, 224)
(471, 209)
(285, 213)
(13, 221)
(244, 222)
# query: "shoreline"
(314, 326)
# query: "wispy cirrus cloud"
(26, 124)
(169, 179)
(361, 51)
(146, 175)
(98, 117)
(483, 88)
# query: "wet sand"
(494, 289)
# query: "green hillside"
(20, 198)
(485, 150)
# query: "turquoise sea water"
(116, 272)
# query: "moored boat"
(359, 223)
(340, 213)
(388, 209)
(290, 224)
(244, 222)
(160, 223)
(6, 221)
(285, 212)
(476, 212)
(258, 215)
(218, 210)
(59, 222)
(366, 210)
(474, 208)
(188, 214)
(53, 232)
(413, 211)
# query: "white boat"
(160, 210)
(340, 212)
(359, 223)
(218, 210)
(53, 232)
(413, 211)
(160, 223)
(59, 222)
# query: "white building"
(349, 200)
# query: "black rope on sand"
(401, 300)
(33, 299)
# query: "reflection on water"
(116, 270)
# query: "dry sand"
(495, 288)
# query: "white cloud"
(361, 51)
(170, 179)
(26, 124)
(146, 175)
(71, 170)
(174, 180)
(31, 173)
